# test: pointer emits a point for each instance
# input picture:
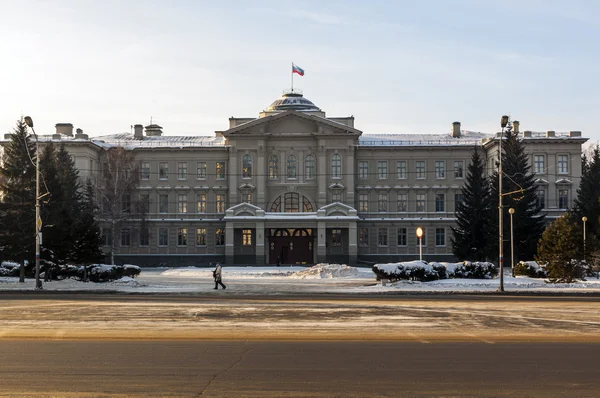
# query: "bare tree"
(118, 189)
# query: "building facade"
(297, 187)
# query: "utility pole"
(38, 220)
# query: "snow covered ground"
(322, 278)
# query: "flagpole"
(292, 77)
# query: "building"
(296, 186)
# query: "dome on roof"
(292, 101)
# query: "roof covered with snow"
(467, 138)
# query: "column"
(322, 172)
(261, 175)
(232, 173)
(349, 178)
(352, 243)
(261, 241)
(321, 242)
(229, 243)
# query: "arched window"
(309, 167)
(291, 201)
(247, 166)
(336, 166)
(291, 167)
(276, 207)
(307, 205)
(273, 167)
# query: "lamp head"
(28, 121)
(419, 232)
(584, 218)
(504, 121)
(511, 211)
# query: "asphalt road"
(111, 345)
(296, 369)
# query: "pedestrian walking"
(217, 275)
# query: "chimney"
(516, 127)
(64, 128)
(138, 131)
(550, 133)
(456, 130)
(153, 130)
(574, 133)
(79, 134)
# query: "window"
(201, 170)
(291, 167)
(563, 199)
(273, 167)
(247, 197)
(181, 236)
(307, 205)
(538, 161)
(382, 237)
(401, 169)
(563, 164)
(440, 169)
(382, 169)
(336, 237)
(363, 170)
(182, 170)
(420, 169)
(220, 202)
(309, 167)
(220, 170)
(291, 202)
(163, 236)
(336, 166)
(363, 202)
(440, 202)
(246, 237)
(336, 196)
(276, 206)
(144, 205)
(125, 237)
(541, 198)
(201, 203)
(440, 236)
(145, 170)
(421, 200)
(401, 236)
(363, 237)
(106, 236)
(220, 237)
(126, 204)
(402, 202)
(163, 170)
(382, 202)
(459, 169)
(181, 203)
(144, 236)
(200, 236)
(247, 166)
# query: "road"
(298, 346)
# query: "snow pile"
(326, 271)
(234, 272)
(424, 272)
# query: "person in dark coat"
(217, 276)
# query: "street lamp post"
(584, 219)
(504, 123)
(420, 236)
(38, 220)
(511, 211)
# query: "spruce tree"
(51, 199)
(587, 202)
(560, 250)
(471, 236)
(87, 245)
(518, 186)
(17, 204)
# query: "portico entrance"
(292, 246)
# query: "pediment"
(291, 123)
(244, 210)
(337, 209)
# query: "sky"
(396, 66)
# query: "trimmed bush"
(475, 270)
(95, 272)
(412, 270)
(531, 269)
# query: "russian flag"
(298, 70)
